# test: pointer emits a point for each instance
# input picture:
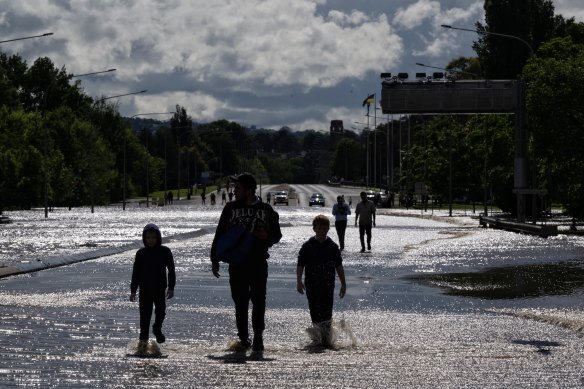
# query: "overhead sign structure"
(449, 97)
(439, 96)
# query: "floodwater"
(436, 303)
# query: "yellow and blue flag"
(369, 99)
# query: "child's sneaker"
(142, 347)
(258, 343)
(241, 345)
(157, 331)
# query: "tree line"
(55, 137)
(476, 153)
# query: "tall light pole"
(124, 157)
(92, 73)
(367, 130)
(46, 173)
(46, 183)
(27, 37)
(491, 33)
(92, 178)
(124, 176)
(521, 136)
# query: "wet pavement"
(438, 302)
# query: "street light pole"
(366, 129)
(124, 176)
(45, 146)
(92, 178)
(124, 153)
(521, 136)
(27, 37)
(46, 184)
(492, 33)
(92, 73)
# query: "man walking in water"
(365, 215)
(341, 211)
(248, 279)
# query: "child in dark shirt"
(319, 258)
(149, 274)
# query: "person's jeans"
(341, 226)
(365, 229)
(248, 282)
(147, 298)
(320, 301)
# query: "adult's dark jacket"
(151, 263)
(255, 216)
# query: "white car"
(280, 197)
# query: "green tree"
(555, 90)
(504, 57)
(346, 160)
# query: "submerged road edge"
(58, 260)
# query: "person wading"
(248, 279)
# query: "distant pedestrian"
(149, 275)
(365, 215)
(212, 195)
(230, 195)
(341, 211)
(169, 196)
(223, 197)
(350, 201)
(203, 197)
(268, 197)
(319, 258)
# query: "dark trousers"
(320, 301)
(148, 298)
(365, 229)
(341, 226)
(248, 282)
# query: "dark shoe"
(157, 331)
(369, 247)
(258, 343)
(142, 347)
(241, 345)
(363, 250)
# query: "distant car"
(316, 199)
(371, 195)
(280, 197)
(382, 199)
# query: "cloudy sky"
(268, 63)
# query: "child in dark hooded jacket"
(149, 275)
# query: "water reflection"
(510, 282)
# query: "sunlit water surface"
(417, 317)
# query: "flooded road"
(435, 304)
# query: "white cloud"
(269, 63)
(415, 14)
(258, 42)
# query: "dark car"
(316, 199)
(371, 195)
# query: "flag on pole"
(369, 100)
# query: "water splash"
(331, 334)
(152, 349)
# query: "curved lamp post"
(520, 135)
(147, 181)
(46, 184)
(124, 176)
(27, 37)
(491, 33)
